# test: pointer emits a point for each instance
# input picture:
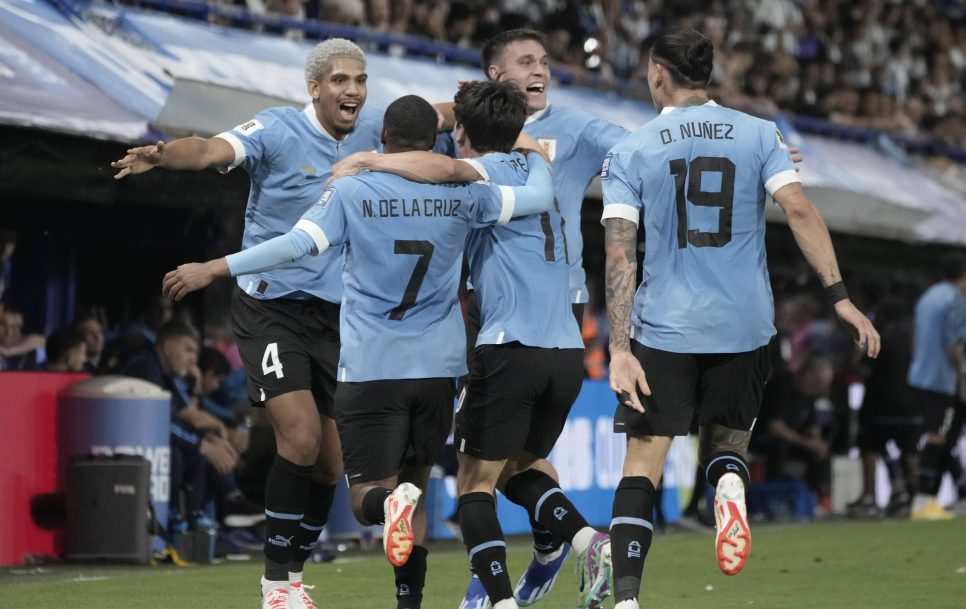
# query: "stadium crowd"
(896, 67)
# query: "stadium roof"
(125, 74)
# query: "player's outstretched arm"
(293, 245)
(188, 153)
(626, 374)
(416, 166)
(813, 239)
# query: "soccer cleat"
(594, 573)
(274, 597)
(932, 511)
(863, 507)
(475, 597)
(299, 596)
(397, 533)
(539, 578)
(733, 539)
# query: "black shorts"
(720, 388)
(288, 345)
(385, 425)
(938, 410)
(517, 398)
(875, 433)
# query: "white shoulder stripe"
(237, 146)
(509, 202)
(782, 178)
(621, 210)
(314, 231)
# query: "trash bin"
(116, 415)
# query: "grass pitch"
(848, 565)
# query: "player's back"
(403, 255)
(699, 174)
(520, 270)
(289, 157)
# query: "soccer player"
(703, 316)
(286, 321)
(939, 335)
(402, 330)
(524, 377)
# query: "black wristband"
(837, 292)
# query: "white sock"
(630, 603)
(581, 540)
(269, 585)
(507, 603)
(294, 578)
(545, 559)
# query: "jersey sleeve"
(597, 138)
(251, 141)
(956, 322)
(490, 204)
(777, 169)
(325, 222)
(622, 198)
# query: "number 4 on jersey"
(270, 361)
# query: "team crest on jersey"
(549, 146)
(250, 127)
(781, 140)
(326, 197)
(605, 167)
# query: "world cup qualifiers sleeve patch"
(605, 166)
(326, 197)
(781, 140)
(249, 128)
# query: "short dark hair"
(410, 122)
(214, 361)
(492, 113)
(60, 342)
(495, 46)
(175, 329)
(687, 54)
(953, 266)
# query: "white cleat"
(397, 533)
(733, 540)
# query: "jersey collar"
(667, 109)
(309, 112)
(536, 115)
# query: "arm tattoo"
(716, 439)
(620, 241)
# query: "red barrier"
(28, 459)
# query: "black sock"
(484, 541)
(286, 494)
(630, 534)
(546, 503)
(544, 541)
(316, 515)
(726, 463)
(410, 579)
(930, 460)
(374, 505)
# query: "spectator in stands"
(888, 413)
(8, 244)
(89, 326)
(940, 332)
(66, 352)
(796, 445)
(18, 351)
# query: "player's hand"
(139, 160)
(351, 165)
(797, 157)
(527, 143)
(188, 278)
(627, 378)
(862, 330)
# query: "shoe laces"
(302, 592)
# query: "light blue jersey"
(576, 142)
(520, 270)
(940, 322)
(698, 177)
(289, 156)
